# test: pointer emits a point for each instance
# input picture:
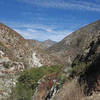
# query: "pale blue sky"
(48, 19)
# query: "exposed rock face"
(36, 61)
(44, 87)
(8, 71)
(75, 43)
(92, 74)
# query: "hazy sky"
(48, 19)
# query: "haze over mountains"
(82, 46)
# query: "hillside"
(16, 55)
(20, 49)
(42, 45)
(70, 46)
(84, 83)
(75, 60)
(47, 43)
(85, 73)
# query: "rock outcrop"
(44, 86)
(8, 74)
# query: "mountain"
(34, 43)
(77, 54)
(16, 47)
(85, 44)
(80, 54)
(17, 54)
(21, 50)
(86, 73)
(42, 45)
(72, 45)
(48, 43)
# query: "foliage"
(6, 64)
(79, 68)
(28, 81)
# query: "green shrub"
(6, 64)
(79, 68)
(28, 81)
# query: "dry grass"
(74, 91)
(70, 91)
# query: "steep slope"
(16, 54)
(34, 43)
(21, 50)
(16, 44)
(70, 46)
(85, 71)
(92, 73)
(8, 74)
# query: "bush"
(79, 68)
(6, 64)
(28, 81)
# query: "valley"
(49, 70)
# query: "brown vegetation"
(70, 91)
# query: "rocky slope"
(85, 66)
(67, 49)
(8, 74)
(88, 77)
(82, 50)
(16, 54)
(19, 49)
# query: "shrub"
(6, 64)
(28, 81)
(79, 68)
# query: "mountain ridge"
(41, 44)
(75, 42)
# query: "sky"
(48, 19)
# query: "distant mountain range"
(42, 45)
(63, 52)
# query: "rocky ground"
(8, 75)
